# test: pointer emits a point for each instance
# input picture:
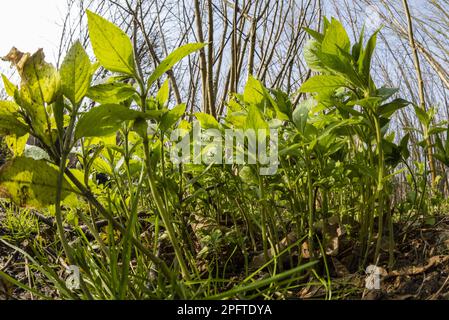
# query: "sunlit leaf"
(255, 119)
(172, 59)
(10, 122)
(111, 92)
(16, 144)
(31, 183)
(40, 79)
(111, 45)
(301, 114)
(10, 88)
(163, 94)
(104, 120)
(76, 73)
(336, 37)
(322, 83)
(254, 92)
(172, 116)
(207, 121)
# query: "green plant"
(144, 198)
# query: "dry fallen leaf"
(340, 269)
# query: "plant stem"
(166, 219)
(380, 187)
(58, 213)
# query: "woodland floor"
(421, 270)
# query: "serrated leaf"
(207, 121)
(163, 94)
(31, 183)
(16, 144)
(255, 119)
(301, 114)
(10, 122)
(110, 93)
(254, 92)
(315, 34)
(111, 45)
(366, 55)
(323, 84)
(10, 88)
(311, 52)
(336, 37)
(422, 116)
(37, 114)
(172, 59)
(40, 80)
(76, 73)
(104, 120)
(172, 116)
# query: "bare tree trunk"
(203, 62)
(210, 60)
(420, 86)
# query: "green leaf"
(16, 144)
(36, 153)
(58, 112)
(111, 92)
(404, 146)
(36, 113)
(10, 88)
(312, 49)
(366, 55)
(386, 93)
(422, 115)
(172, 59)
(172, 116)
(326, 24)
(387, 110)
(301, 114)
(31, 183)
(76, 73)
(111, 46)
(255, 119)
(10, 123)
(254, 92)
(104, 120)
(336, 37)
(436, 130)
(443, 158)
(341, 65)
(315, 34)
(163, 94)
(140, 126)
(323, 84)
(207, 121)
(282, 105)
(357, 47)
(40, 80)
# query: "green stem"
(264, 219)
(91, 198)
(166, 219)
(58, 213)
(380, 186)
(310, 205)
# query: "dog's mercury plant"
(188, 197)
